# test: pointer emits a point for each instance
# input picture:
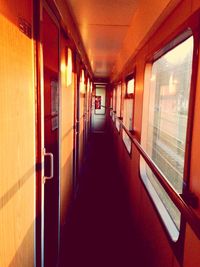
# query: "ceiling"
(103, 25)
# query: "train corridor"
(99, 232)
(130, 196)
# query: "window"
(128, 112)
(88, 95)
(118, 105)
(130, 87)
(114, 99)
(114, 103)
(165, 114)
(111, 103)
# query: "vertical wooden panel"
(81, 144)
(195, 161)
(67, 134)
(17, 137)
(192, 248)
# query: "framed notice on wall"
(97, 102)
(100, 101)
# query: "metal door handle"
(51, 165)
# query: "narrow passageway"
(100, 231)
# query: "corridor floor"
(99, 232)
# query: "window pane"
(127, 121)
(118, 100)
(114, 99)
(166, 123)
(130, 86)
(127, 141)
(128, 113)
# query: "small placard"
(97, 102)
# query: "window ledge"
(166, 218)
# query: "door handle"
(50, 155)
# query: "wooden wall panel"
(139, 86)
(81, 129)
(175, 263)
(195, 5)
(17, 137)
(67, 135)
(155, 243)
(149, 229)
(192, 248)
(195, 160)
(192, 244)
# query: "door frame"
(76, 162)
(39, 5)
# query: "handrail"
(187, 212)
(106, 107)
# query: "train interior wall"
(155, 242)
(17, 157)
(18, 123)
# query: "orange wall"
(74, 35)
(72, 31)
(156, 247)
(17, 137)
(146, 20)
(67, 133)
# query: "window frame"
(118, 112)
(128, 97)
(129, 78)
(111, 102)
(177, 38)
(114, 99)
